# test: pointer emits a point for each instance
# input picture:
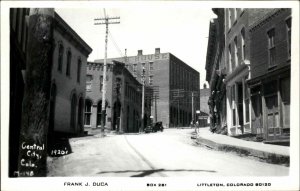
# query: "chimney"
(157, 50)
(140, 52)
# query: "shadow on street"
(143, 173)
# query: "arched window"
(60, 57)
(78, 69)
(87, 112)
(69, 57)
(73, 111)
(80, 114)
(243, 43)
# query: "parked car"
(148, 129)
(158, 127)
(154, 128)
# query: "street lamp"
(143, 99)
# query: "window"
(87, 112)
(150, 80)
(271, 46)
(234, 14)
(233, 105)
(78, 69)
(80, 114)
(151, 68)
(230, 58)
(60, 57)
(243, 43)
(89, 79)
(236, 58)
(69, 56)
(285, 92)
(229, 18)
(101, 83)
(247, 101)
(288, 26)
(134, 69)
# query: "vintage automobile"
(154, 128)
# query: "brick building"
(68, 79)
(67, 89)
(270, 79)
(173, 81)
(123, 98)
(237, 59)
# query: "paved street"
(163, 154)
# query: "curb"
(263, 156)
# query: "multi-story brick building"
(123, 98)
(68, 79)
(67, 90)
(270, 75)
(173, 81)
(237, 59)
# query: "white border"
(290, 182)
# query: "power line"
(115, 44)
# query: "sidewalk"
(275, 154)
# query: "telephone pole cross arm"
(105, 21)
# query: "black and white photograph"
(140, 95)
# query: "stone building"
(173, 82)
(67, 90)
(270, 75)
(123, 98)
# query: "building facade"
(68, 79)
(216, 72)
(270, 79)
(237, 59)
(123, 98)
(173, 82)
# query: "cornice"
(266, 19)
(71, 35)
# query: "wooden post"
(35, 109)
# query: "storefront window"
(285, 92)
(87, 112)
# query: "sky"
(182, 31)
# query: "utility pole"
(143, 100)
(178, 94)
(193, 107)
(194, 94)
(105, 21)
